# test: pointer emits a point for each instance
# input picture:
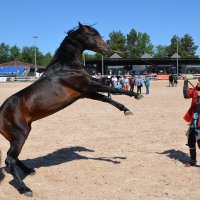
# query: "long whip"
(188, 81)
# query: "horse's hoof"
(28, 194)
(128, 112)
(139, 96)
(26, 191)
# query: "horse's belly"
(52, 103)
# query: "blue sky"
(20, 20)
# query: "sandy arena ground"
(91, 151)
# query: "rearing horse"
(64, 81)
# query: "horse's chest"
(66, 96)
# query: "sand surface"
(91, 151)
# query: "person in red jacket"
(193, 117)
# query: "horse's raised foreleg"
(101, 97)
(97, 87)
(12, 161)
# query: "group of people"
(129, 83)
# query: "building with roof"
(147, 62)
(17, 69)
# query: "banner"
(3, 79)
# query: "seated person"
(117, 85)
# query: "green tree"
(46, 59)
(4, 52)
(87, 55)
(28, 55)
(160, 51)
(131, 43)
(172, 48)
(14, 53)
(117, 43)
(98, 55)
(188, 48)
(138, 44)
(39, 57)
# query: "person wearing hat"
(193, 117)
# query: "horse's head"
(91, 39)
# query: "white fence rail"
(17, 79)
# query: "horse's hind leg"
(101, 97)
(12, 160)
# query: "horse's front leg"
(101, 97)
(97, 87)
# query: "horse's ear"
(81, 25)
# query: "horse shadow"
(64, 155)
(60, 156)
(177, 155)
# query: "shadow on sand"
(177, 155)
(66, 155)
(58, 157)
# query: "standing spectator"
(126, 83)
(147, 84)
(138, 82)
(114, 80)
(132, 83)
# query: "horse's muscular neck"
(69, 51)
(68, 55)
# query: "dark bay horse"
(64, 81)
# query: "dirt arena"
(91, 151)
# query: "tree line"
(136, 44)
(26, 54)
(133, 45)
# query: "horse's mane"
(87, 26)
(69, 35)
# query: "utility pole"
(177, 56)
(35, 37)
(102, 66)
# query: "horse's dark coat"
(64, 81)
